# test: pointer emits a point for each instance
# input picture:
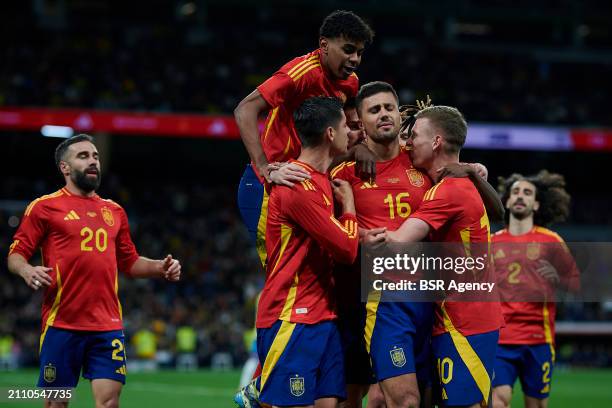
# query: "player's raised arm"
(246, 114)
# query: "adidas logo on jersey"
(72, 215)
(368, 185)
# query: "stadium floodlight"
(57, 131)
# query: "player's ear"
(64, 168)
(536, 205)
(330, 133)
(437, 142)
(324, 44)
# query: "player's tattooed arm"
(365, 161)
(246, 114)
(492, 202)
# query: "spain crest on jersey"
(398, 358)
(107, 216)
(296, 386)
(49, 373)
(533, 251)
(415, 177)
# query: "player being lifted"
(297, 339)
(398, 192)
(465, 334)
(327, 71)
(530, 261)
(85, 241)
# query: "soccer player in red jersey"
(85, 241)
(465, 334)
(327, 71)
(530, 259)
(297, 339)
(397, 192)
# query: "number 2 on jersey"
(402, 209)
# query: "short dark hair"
(62, 148)
(315, 115)
(373, 88)
(450, 121)
(342, 23)
(550, 193)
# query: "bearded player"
(531, 261)
(85, 241)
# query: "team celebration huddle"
(338, 165)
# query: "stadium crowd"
(100, 65)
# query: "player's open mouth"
(93, 172)
(349, 70)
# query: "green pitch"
(575, 388)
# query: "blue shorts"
(64, 353)
(357, 366)
(302, 363)
(532, 364)
(253, 206)
(464, 367)
(398, 338)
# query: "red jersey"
(397, 192)
(455, 213)
(299, 79)
(516, 264)
(85, 240)
(302, 239)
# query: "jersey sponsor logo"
(49, 373)
(415, 177)
(398, 358)
(72, 215)
(301, 310)
(296, 386)
(107, 216)
(393, 180)
(92, 214)
(533, 251)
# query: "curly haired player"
(530, 259)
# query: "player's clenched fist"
(171, 268)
